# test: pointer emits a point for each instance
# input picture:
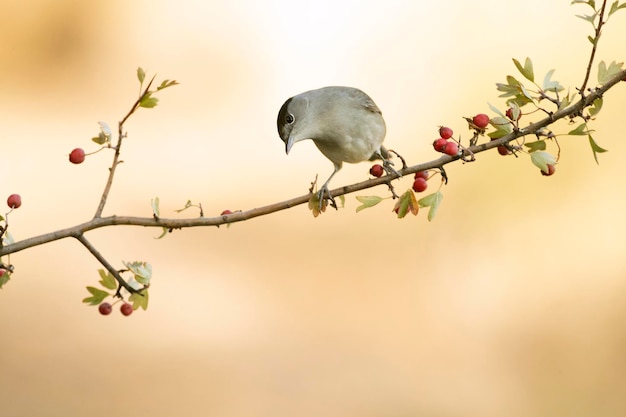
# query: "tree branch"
(77, 231)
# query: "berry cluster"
(446, 144)
(106, 308)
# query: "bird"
(344, 123)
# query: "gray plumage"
(344, 123)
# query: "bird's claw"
(389, 169)
(324, 195)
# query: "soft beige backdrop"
(511, 303)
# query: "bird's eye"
(290, 119)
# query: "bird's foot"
(320, 200)
(389, 169)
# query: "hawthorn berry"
(551, 170)
(77, 156)
(445, 132)
(502, 150)
(440, 145)
(105, 308)
(509, 113)
(225, 212)
(419, 185)
(481, 120)
(14, 201)
(451, 149)
(377, 170)
(126, 309)
(421, 174)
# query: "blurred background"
(511, 302)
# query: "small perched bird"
(344, 123)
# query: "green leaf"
(500, 122)
(502, 125)
(616, 6)
(496, 110)
(595, 148)
(368, 201)
(433, 201)
(511, 88)
(165, 230)
(539, 145)
(97, 296)
(155, 207)
(148, 102)
(407, 203)
(579, 131)
(166, 84)
(105, 134)
(141, 270)
(139, 299)
(141, 75)
(7, 239)
(591, 3)
(605, 73)
(187, 205)
(549, 85)
(527, 70)
(5, 278)
(596, 107)
(587, 18)
(541, 159)
(107, 280)
(565, 101)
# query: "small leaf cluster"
(595, 18)
(518, 96)
(110, 287)
(406, 203)
(146, 98)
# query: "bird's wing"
(365, 101)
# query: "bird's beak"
(289, 144)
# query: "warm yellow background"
(511, 303)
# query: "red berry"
(452, 149)
(502, 150)
(419, 185)
(421, 174)
(481, 120)
(440, 145)
(225, 212)
(377, 170)
(509, 113)
(445, 132)
(14, 201)
(77, 156)
(2, 272)
(551, 170)
(105, 309)
(126, 309)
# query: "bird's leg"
(324, 191)
(388, 165)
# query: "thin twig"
(122, 283)
(118, 147)
(593, 50)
